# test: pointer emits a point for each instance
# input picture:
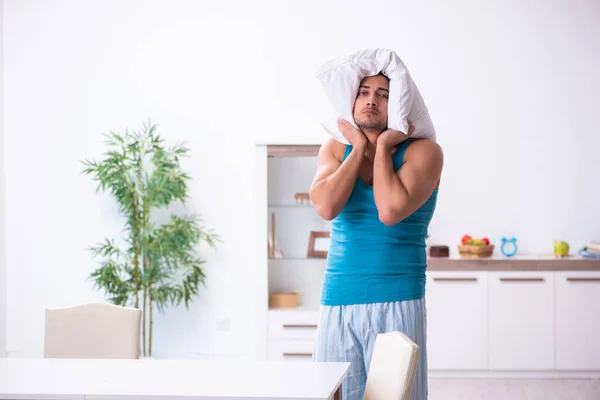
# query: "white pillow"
(341, 79)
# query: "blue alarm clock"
(509, 246)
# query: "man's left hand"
(390, 138)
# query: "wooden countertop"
(515, 263)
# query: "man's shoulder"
(424, 149)
(332, 147)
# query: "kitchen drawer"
(291, 350)
(293, 324)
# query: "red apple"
(465, 239)
(485, 240)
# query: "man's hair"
(384, 75)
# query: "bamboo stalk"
(150, 304)
(144, 323)
(136, 260)
(145, 267)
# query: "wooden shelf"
(293, 150)
(300, 206)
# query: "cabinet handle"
(455, 279)
(297, 354)
(522, 279)
(299, 326)
(583, 279)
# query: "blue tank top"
(370, 262)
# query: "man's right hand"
(353, 135)
(335, 177)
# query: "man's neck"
(372, 136)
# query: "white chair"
(92, 330)
(393, 367)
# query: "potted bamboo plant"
(157, 265)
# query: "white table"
(84, 379)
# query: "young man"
(380, 194)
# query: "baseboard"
(439, 374)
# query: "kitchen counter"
(515, 263)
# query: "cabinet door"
(578, 320)
(521, 320)
(456, 320)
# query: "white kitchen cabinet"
(292, 334)
(293, 324)
(521, 320)
(290, 350)
(578, 320)
(457, 320)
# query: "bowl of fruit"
(471, 247)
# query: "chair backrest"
(393, 367)
(92, 330)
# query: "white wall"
(3, 294)
(512, 88)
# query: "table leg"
(338, 393)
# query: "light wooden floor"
(551, 389)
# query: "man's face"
(371, 104)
